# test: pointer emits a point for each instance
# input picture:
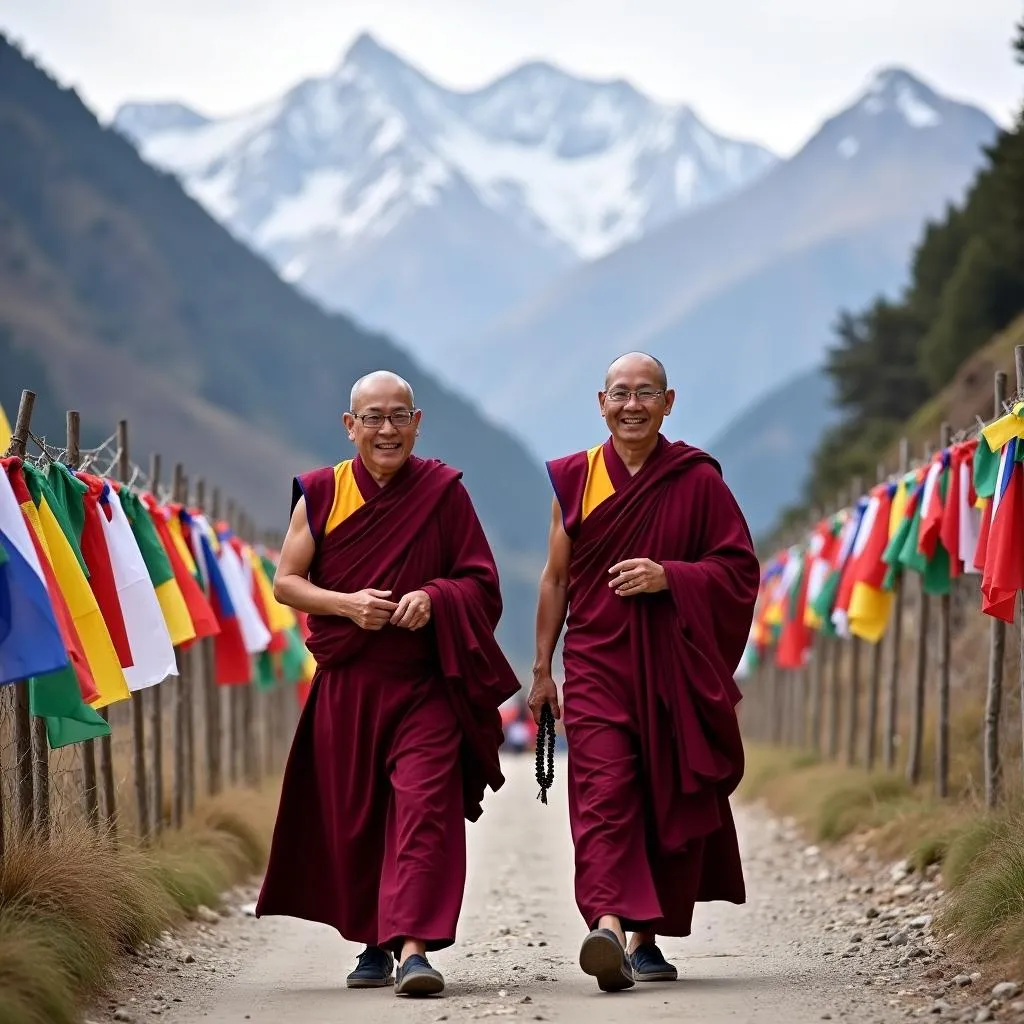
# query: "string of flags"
(958, 514)
(102, 586)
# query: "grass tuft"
(34, 989)
(985, 907)
(71, 907)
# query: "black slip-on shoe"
(374, 969)
(602, 957)
(649, 964)
(417, 978)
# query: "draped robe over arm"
(669, 656)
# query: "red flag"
(1004, 556)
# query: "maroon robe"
(399, 737)
(649, 695)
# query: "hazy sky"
(764, 69)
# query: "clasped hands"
(637, 576)
(373, 609)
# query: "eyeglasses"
(375, 420)
(645, 395)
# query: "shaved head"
(376, 378)
(633, 358)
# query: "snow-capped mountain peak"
(574, 165)
(897, 90)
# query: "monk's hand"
(637, 576)
(412, 611)
(543, 691)
(370, 609)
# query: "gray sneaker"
(603, 957)
(649, 964)
(373, 970)
(417, 978)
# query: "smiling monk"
(651, 557)
(399, 737)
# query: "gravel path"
(822, 937)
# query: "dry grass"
(828, 800)
(981, 852)
(69, 909)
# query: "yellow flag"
(1001, 430)
(5, 431)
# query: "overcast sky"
(770, 70)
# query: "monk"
(652, 559)
(399, 737)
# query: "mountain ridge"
(826, 229)
(538, 162)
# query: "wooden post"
(819, 654)
(246, 726)
(229, 695)
(156, 711)
(22, 715)
(856, 647)
(942, 695)
(896, 642)
(180, 685)
(996, 653)
(1018, 363)
(138, 709)
(834, 681)
(212, 694)
(91, 793)
(874, 681)
(920, 679)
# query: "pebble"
(123, 1016)
(982, 1015)
(207, 916)
(1005, 990)
(963, 980)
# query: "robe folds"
(649, 696)
(398, 739)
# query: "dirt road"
(792, 954)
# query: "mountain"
(121, 297)
(765, 451)
(739, 296)
(429, 212)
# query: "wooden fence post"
(156, 711)
(91, 793)
(819, 655)
(211, 692)
(996, 653)
(893, 683)
(179, 495)
(1018, 363)
(942, 696)
(22, 715)
(249, 740)
(875, 680)
(856, 648)
(834, 688)
(920, 679)
(138, 709)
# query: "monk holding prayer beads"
(400, 734)
(651, 557)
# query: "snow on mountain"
(743, 291)
(559, 169)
